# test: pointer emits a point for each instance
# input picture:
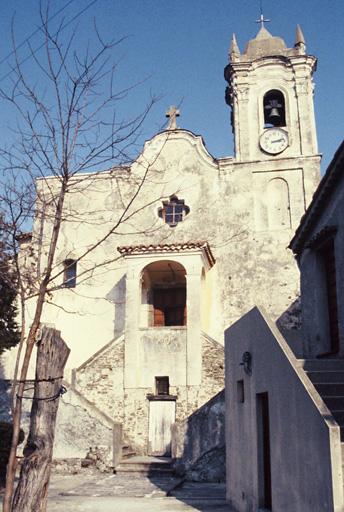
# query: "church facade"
(187, 244)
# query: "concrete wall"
(302, 432)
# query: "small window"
(274, 109)
(162, 386)
(240, 392)
(69, 274)
(173, 211)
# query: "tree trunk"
(32, 489)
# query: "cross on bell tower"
(172, 114)
(270, 92)
(262, 20)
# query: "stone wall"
(188, 398)
(198, 436)
(79, 425)
(100, 379)
(198, 442)
(213, 373)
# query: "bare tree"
(67, 124)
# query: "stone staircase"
(127, 452)
(327, 376)
(146, 466)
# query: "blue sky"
(178, 48)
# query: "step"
(137, 470)
(127, 455)
(127, 452)
(149, 461)
(326, 377)
(321, 364)
(330, 389)
(146, 465)
(334, 402)
(141, 465)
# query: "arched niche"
(163, 294)
(274, 108)
(278, 203)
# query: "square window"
(162, 386)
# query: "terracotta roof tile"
(127, 250)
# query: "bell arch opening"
(163, 294)
(274, 109)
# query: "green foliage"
(9, 335)
(6, 430)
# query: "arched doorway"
(163, 294)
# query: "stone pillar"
(304, 97)
(193, 340)
(132, 315)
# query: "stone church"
(198, 241)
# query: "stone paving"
(92, 491)
(123, 493)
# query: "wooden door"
(162, 415)
(328, 255)
(264, 455)
(169, 306)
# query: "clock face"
(274, 141)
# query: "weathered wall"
(302, 434)
(188, 398)
(213, 369)
(198, 435)
(198, 442)
(79, 425)
(313, 280)
(100, 379)
(228, 208)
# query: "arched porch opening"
(163, 294)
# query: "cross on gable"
(172, 114)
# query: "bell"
(274, 113)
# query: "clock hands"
(273, 141)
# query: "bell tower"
(270, 92)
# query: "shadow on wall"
(198, 451)
(117, 297)
(198, 443)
